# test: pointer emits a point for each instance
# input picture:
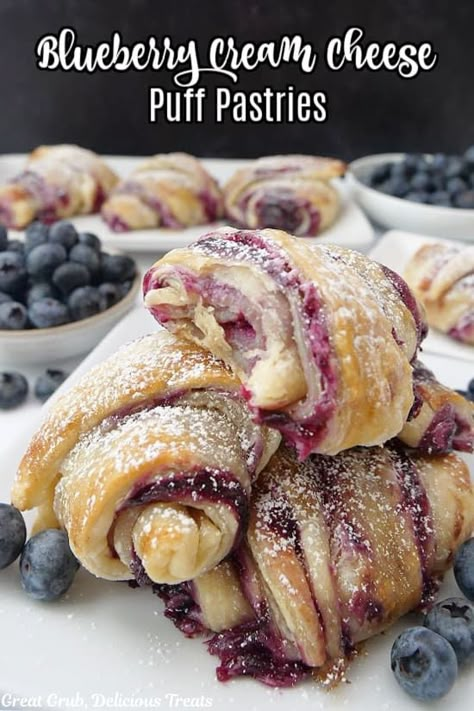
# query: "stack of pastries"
(275, 463)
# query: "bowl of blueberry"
(432, 194)
(60, 292)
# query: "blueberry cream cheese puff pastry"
(57, 182)
(168, 190)
(442, 278)
(337, 549)
(322, 337)
(291, 193)
(147, 463)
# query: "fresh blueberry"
(44, 259)
(87, 256)
(64, 233)
(453, 619)
(12, 534)
(13, 316)
(5, 297)
(3, 238)
(13, 276)
(411, 163)
(40, 290)
(424, 663)
(469, 156)
(379, 174)
(111, 293)
(417, 196)
(464, 568)
(398, 170)
(455, 168)
(16, 245)
(439, 162)
(47, 565)
(48, 382)
(125, 288)
(13, 390)
(117, 267)
(90, 240)
(441, 198)
(84, 302)
(70, 276)
(397, 187)
(465, 200)
(35, 234)
(420, 181)
(47, 313)
(455, 185)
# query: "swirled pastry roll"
(147, 461)
(321, 337)
(58, 182)
(291, 193)
(442, 277)
(441, 419)
(167, 190)
(338, 548)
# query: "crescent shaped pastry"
(442, 277)
(168, 190)
(58, 182)
(147, 461)
(291, 193)
(322, 337)
(338, 548)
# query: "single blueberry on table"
(44, 259)
(47, 565)
(84, 302)
(47, 313)
(5, 297)
(90, 240)
(40, 290)
(63, 233)
(3, 238)
(35, 234)
(12, 534)
(117, 267)
(48, 382)
(453, 619)
(13, 390)
(87, 256)
(13, 276)
(111, 293)
(13, 316)
(70, 276)
(424, 663)
(464, 568)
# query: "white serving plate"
(105, 641)
(394, 250)
(397, 213)
(351, 229)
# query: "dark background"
(368, 112)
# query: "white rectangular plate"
(351, 229)
(107, 640)
(395, 249)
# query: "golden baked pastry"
(58, 181)
(168, 190)
(148, 460)
(291, 193)
(442, 277)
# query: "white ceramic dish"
(47, 345)
(351, 229)
(394, 250)
(393, 212)
(107, 643)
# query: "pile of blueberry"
(442, 180)
(58, 275)
(14, 387)
(47, 564)
(426, 659)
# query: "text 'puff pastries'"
(322, 337)
(291, 193)
(442, 277)
(148, 461)
(58, 181)
(168, 190)
(337, 549)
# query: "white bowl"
(398, 213)
(46, 345)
